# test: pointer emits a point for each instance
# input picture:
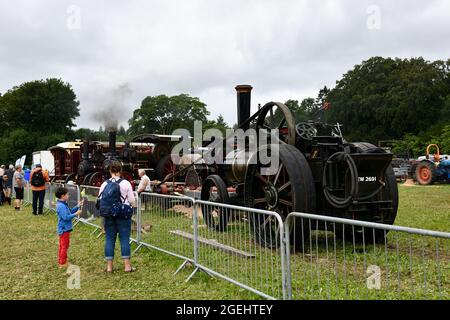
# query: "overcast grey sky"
(285, 49)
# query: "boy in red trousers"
(65, 217)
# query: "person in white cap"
(145, 184)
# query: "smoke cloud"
(110, 113)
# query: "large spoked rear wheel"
(288, 188)
(214, 189)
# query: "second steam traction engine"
(148, 151)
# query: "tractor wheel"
(214, 189)
(86, 179)
(424, 173)
(165, 167)
(288, 188)
(96, 179)
(387, 216)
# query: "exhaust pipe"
(86, 150)
(244, 95)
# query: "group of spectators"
(13, 178)
(8, 183)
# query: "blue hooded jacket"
(65, 216)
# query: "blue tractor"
(431, 168)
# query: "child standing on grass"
(65, 216)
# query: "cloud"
(287, 49)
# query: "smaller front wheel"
(214, 189)
(424, 173)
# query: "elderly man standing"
(38, 178)
(145, 184)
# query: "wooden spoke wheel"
(285, 189)
(214, 189)
(96, 179)
(86, 179)
(165, 167)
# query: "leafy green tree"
(309, 105)
(121, 134)
(299, 111)
(40, 106)
(385, 99)
(410, 145)
(219, 124)
(163, 114)
(35, 116)
(444, 140)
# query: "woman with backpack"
(38, 178)
(116, 199)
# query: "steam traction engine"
(319, 172)
(147, 151)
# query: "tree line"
(404, 101)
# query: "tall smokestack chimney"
(112, 142)
(244, 95)
(86, 150)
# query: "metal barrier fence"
(166, 223)
(89, 213)
(27, 195)
(50, 198)
(304, 257)
(333, 258)
(74, 194)
(243, 246)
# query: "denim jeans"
(114, 226)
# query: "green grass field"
(28, 262)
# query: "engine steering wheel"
(306, 130)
